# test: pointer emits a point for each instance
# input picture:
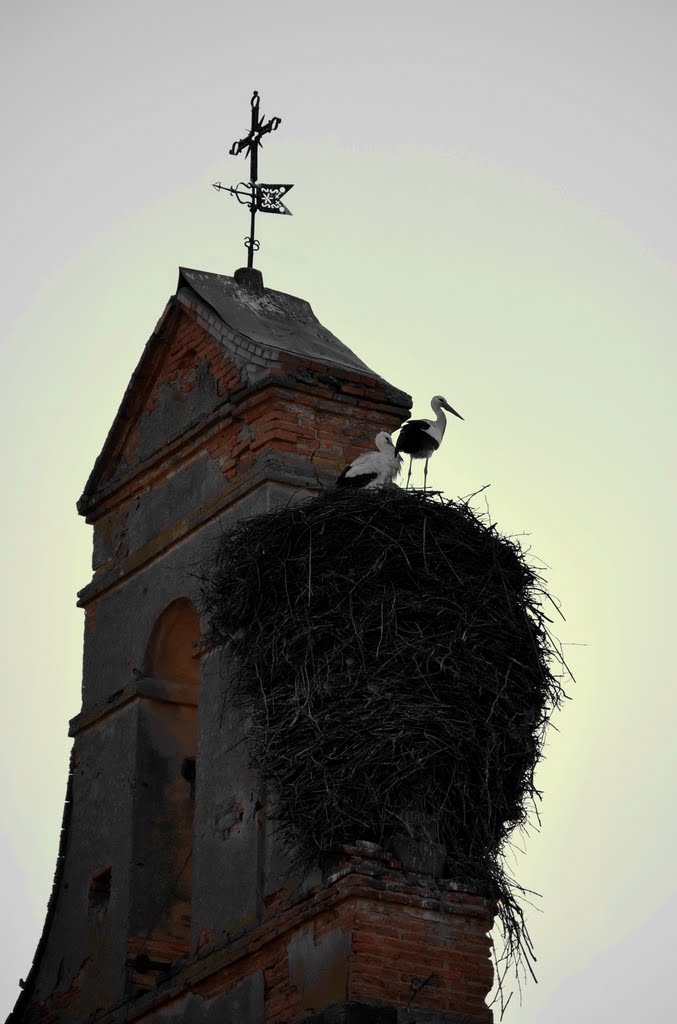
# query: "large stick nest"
(393, 658)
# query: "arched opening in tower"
(172, 653)
(160, 922)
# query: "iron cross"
(255, 195)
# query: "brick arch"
(172, 648)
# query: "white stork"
(420, 438)
(373, 469)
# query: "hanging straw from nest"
(395, 662)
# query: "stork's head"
(383, 441)
(440, 402)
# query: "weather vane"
(252, 193)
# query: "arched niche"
(161, 900)
(172, 648)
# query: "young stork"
(420, 438)
(373, 469)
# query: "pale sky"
(483, 207)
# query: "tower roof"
(273, 319)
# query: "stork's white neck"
(440, 418)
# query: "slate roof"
(273, 319)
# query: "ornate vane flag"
(252, 193)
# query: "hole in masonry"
(188, 773)
(99, 887)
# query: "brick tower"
(172, 899)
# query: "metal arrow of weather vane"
(252, 193)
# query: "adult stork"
(419, 439)
(373, 469)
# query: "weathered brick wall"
(369, 934)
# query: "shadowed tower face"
(172, 898)
(160, 910)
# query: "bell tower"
(174, 897)
(171, 899)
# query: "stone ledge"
(146, 688)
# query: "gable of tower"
(237, 375)
(183, 376)
(233, 390)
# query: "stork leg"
(411, 459)
(425, 476)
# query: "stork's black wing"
(356, 480)
(412, 434)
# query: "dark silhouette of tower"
(172, 899)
